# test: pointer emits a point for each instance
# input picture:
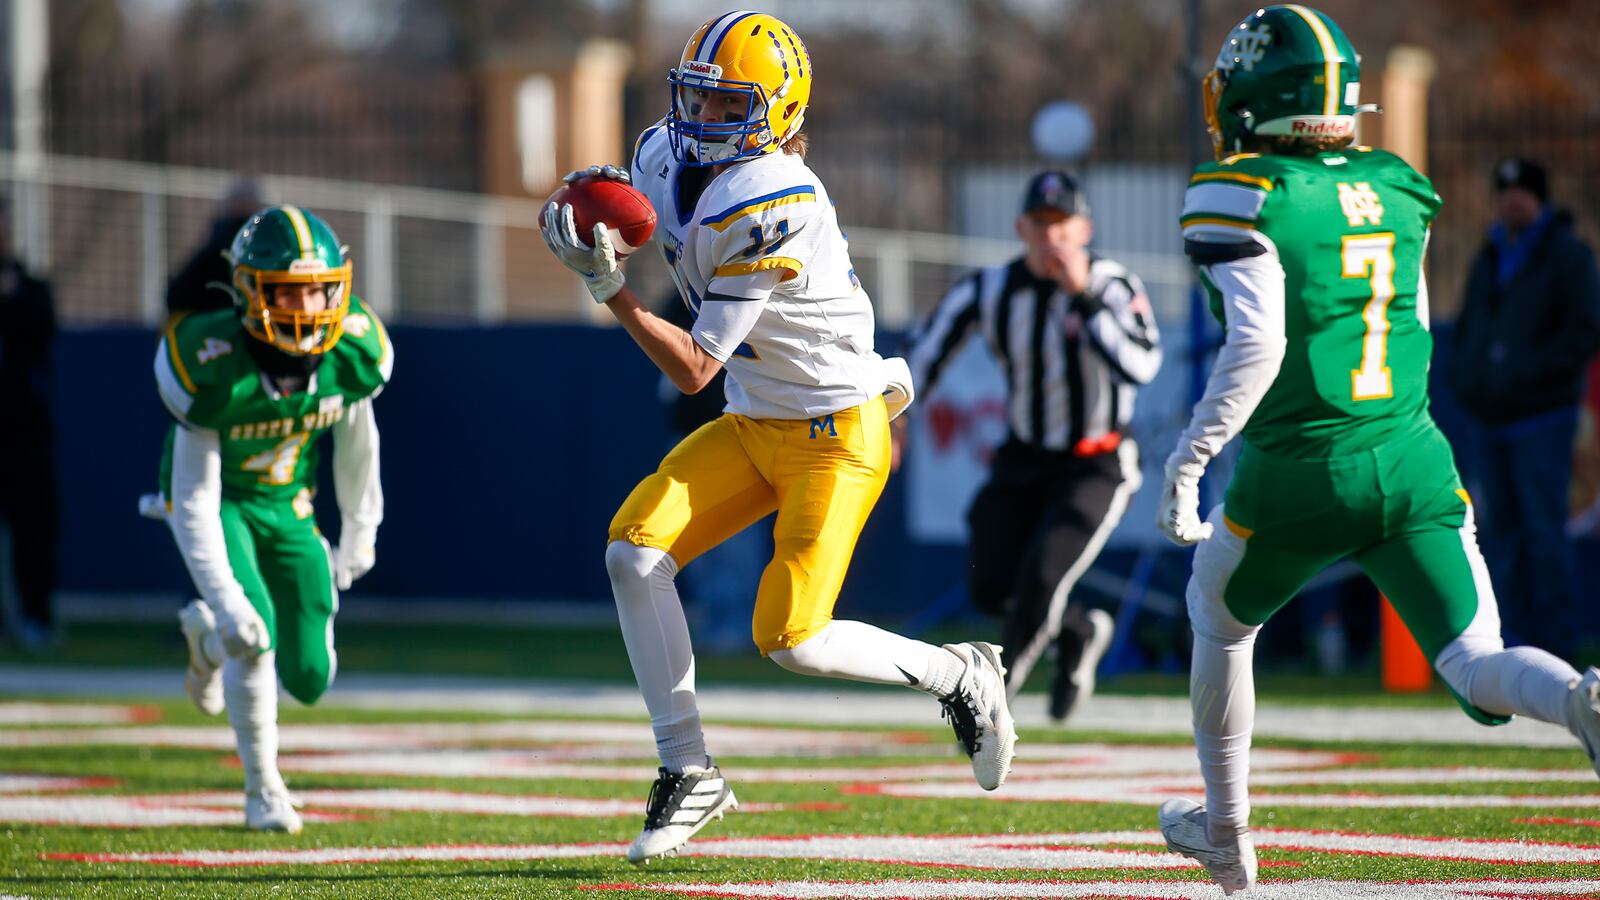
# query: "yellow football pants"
(822, 475)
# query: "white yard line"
(814, 706)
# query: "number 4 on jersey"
(1371, 256)
(279, 462)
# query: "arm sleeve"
(172, 380)
(1252, 291)
(732, 305)
(1122, 328)
(355, 475)
(196, 517)
(943, 333)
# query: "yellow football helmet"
(747, 53)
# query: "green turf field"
(869, 785)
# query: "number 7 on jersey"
(1371, 256)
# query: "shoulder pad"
(197, 360)
(754, 214)
(1228, 196)
(365, 354)
(758, 186)
(649, 148)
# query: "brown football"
(628, 215)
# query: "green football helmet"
(286, 245)
(1284, 70)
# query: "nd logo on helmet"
(1250, 47)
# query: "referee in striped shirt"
(1074, 336)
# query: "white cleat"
(680, 804)
(978, 712)
(203, 678)
(1183, 824)
(1583, 714)
(271, 809)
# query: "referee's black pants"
(1036, 527)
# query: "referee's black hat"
(1057, 190)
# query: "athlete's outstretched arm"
(691, 359)
(944, 332)
(685, 363)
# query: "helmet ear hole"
(788, 111)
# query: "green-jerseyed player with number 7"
(1311, 252)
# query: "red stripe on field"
(1556, 820)
(1431, 837)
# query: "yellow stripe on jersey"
(794, 266)
(383, 343)
(1330, 53)
(1228, 161)
(1238, 529)
(302, 230)
(173, 355)
(722, 221)
(1254, 181)
(1186, 221)
(1462, 493)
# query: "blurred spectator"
(189, 291)
(1530, 322)
(1075, 336)
(1585, 521)
(27, 454)
(720, 584)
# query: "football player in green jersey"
(252, 390)
(1311, 251)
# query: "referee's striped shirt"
(1071, 364)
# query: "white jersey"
(810, 352)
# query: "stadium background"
(518, 419)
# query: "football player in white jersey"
(753, 244)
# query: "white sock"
(657, 636)
(860, 652)
(1222, 688)
(1222, 694)
(1523, 681)
(250, 690)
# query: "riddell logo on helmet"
(702, 69)
(307, 266)
(1320, 127)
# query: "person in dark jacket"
(1529, 324)
(188, 290)
(27, 454)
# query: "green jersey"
(268, 440)
(1350, 229)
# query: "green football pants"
(284, 566)
(1397, 510)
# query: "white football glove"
(1179, 518)
(615, 173)
(243, 634)
(597, 267)
(351, 560)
